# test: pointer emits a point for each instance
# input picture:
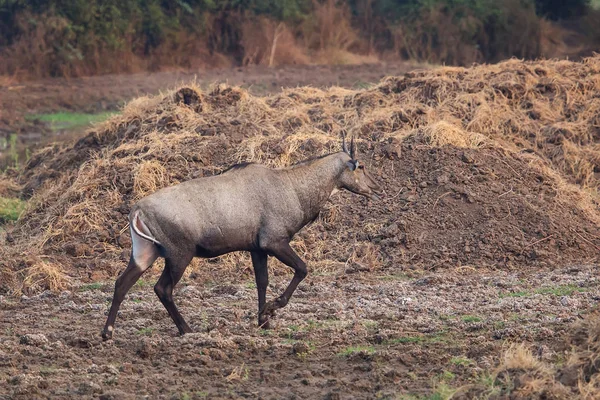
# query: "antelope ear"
(352, 164)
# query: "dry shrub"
(366, 256)
(556, 41)
(7, 80)
(459, 35)
(9, 188)
(43, 275)
(331, 38)
(46, 48)
(435, 38)
(520, 374)
(182, 50)
(330, 29)
(584, 360)
(266, 42)
(34, 46)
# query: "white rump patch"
(143, 250)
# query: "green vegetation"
(562, 290)
(145, 331)
(142, 283)
(499, 325)
(395, 277)
(407, 339)
(10, 209)
(9, 146)
(91, 286)
(79, 37)
(461, 361)
(441, 392)
(68, 120)
(446, 376)
(435, 338)
(471, 318)
(357, 349)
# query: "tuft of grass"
(9, 146)
(435, 338)
(313, 325)
(461, 361)
(142, 283)
(68, 120)
(239, 373)
(562, 290)
(48, 370)
(446, 376)
(499, 325)
(406, 339)
(356, 350)
(395, 277)
(522, 293)
(44, 275)
(370, 325)
(10, 209)
(441, 392)
(91, 286)
(146, 331)
(471, 318)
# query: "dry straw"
(546, 110)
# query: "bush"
(81, 37)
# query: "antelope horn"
(344, 147)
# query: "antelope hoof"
(269, 310)
(184, 330)
(107, 334)
(263, 322)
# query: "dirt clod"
(34, 339)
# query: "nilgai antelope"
(249, 207)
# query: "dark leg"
(172, 273)
(261, 273)
(288, 256)
(127, 279)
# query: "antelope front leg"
(284, 253)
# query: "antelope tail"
(141, 229)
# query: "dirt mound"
(473, 175)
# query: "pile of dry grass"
(521, 374)
(546, 114)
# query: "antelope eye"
(361, 167)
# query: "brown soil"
(349, 335)
(488, 232)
